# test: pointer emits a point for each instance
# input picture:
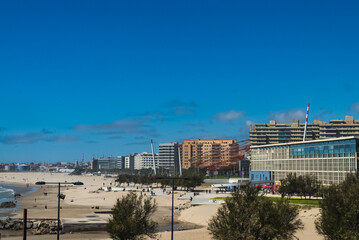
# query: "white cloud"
(124, 126)
(248, 123)
(244, 130)
(65, 138)
(288, 116)
(29, 138)
(228, 116)
(179, 107)
(355, 107)
(120, 127)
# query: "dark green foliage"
(249, 216)
(303, 186)
(192, 179)
(313, 202)
(288, 185)
(340, 210)
(131, 218)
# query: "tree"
(131, 218)
(192, 180)
(340, 210)
(250, 216)
(306, 185)
(310, 186)
(287, 185)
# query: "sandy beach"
(81, 202)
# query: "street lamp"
(173, 186)
(59, 196)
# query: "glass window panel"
(312, 150)
(352, 146)
(341, 148)
(326, 149)
(347, 148)
(321, 150)
(336, 149)
(331, 149)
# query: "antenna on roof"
(306, 124)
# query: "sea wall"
(36, 226)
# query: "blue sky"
(104, 77)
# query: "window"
(341, 148)
(326, 149)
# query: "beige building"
(273, 133)
(339, 128)
(208, 153)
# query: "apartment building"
(129, 161)
(273, 133)
(206, 153)
(339, 128)
(168, 159)
(145, 160)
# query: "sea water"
(7, 194)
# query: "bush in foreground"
(131, 218)
(340, 210)
(249, 216)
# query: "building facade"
(339, 128)
(206, 153)
(168, 157)
(130, 161)
(145, 160)
(329, 160)
(273, 133)
(108, 163)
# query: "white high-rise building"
(168, 156)
(130, 161)
(145, 160)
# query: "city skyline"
(105, 78)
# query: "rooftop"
(311, 141)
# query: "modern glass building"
(330, 160)
(108, 163)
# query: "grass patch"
(220, 198)
(311, 202)
(217, 177)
